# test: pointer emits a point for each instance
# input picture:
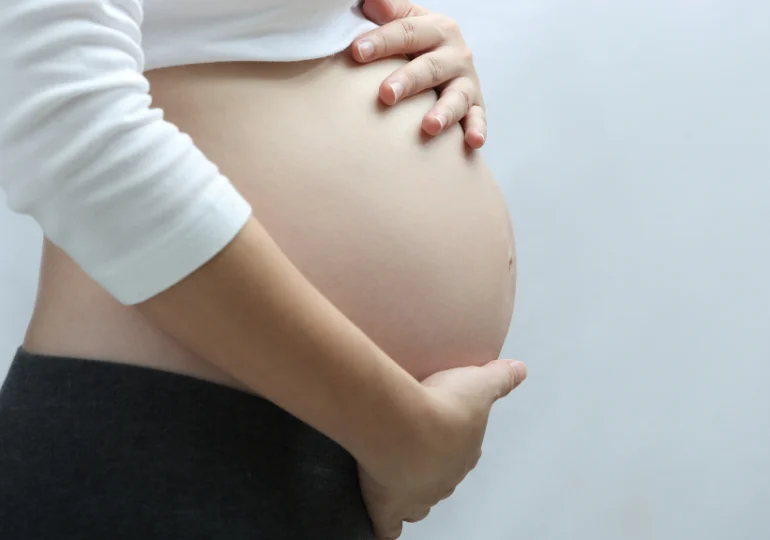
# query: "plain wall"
(632, 140)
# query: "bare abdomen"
(409, 237)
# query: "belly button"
(510, 261)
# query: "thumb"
(385, 11)
(486, 383)
(500, 377)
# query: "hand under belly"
(409, 236)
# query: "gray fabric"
(92, 450)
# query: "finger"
(500, 377)
(418, 515)
(475, 126)
(388, 531)
(385, 11)
(385, 517)
(423, 73)
(454, 104)
(448, 494)
(411, 35)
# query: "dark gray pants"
(95, 450)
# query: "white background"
(632, 139)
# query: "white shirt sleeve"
(120, 190)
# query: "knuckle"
(464, 96)
(475, 461)
(409, 80)
(511, 381)
(417, 515)
(449, 25)
(386, 43)
(467, 55)
(409, 33)
(436, 70)
(391, 532)
(445, 494)
(479, 112)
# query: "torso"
(409, 236)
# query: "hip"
(98, 450)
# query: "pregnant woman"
(270, 303)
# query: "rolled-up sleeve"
(131, 199)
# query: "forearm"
(321, 367)
(138, 207)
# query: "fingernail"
(521, 371)
(441, 121)
(398, 89)
(365, 49)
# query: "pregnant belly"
(408, 236)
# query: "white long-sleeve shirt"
(120, 190)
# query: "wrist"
(394, 426)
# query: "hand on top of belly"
(440, 59)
